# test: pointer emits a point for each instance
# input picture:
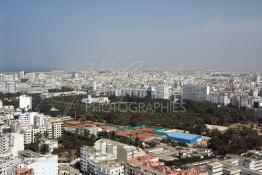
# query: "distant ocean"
(25, 68)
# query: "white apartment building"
(141, 93)
(123, 152)
(195, 92)
(239, 101)
(40, 120)
(1, 104)
(218, 98)
(112, 169)
(161, 92)
(97, 163)
(40, 124)
(31, 76)
(41, 164)
(10, 144)
(29, 135)
(16, 143)
(91, 99)
(253, 164)
(8, 166)
(106, 156)
(25, 102)
(27, 118)
(10, 87)
(4, 144)
(31, 132)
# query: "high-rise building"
(218, 98)
(195, 92)
(162, 92)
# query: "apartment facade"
(195, 92)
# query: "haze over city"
(130, 87)
(221, 35)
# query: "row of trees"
(234, 141)
(195, 117)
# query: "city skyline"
(218, 35)
(131, 87)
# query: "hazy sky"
(220, 34)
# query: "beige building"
(215, 168)
(66, 169)
(123, 152)
(56, 126)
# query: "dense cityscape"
(131, 87)
(50, 123)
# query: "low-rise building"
(185, 138)
(215, 168)
(150, 165)
(91, 99)
(231, 171)
(251, 163)
(66, 169)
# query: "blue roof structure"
(184, 137)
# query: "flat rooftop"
(181, 135)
